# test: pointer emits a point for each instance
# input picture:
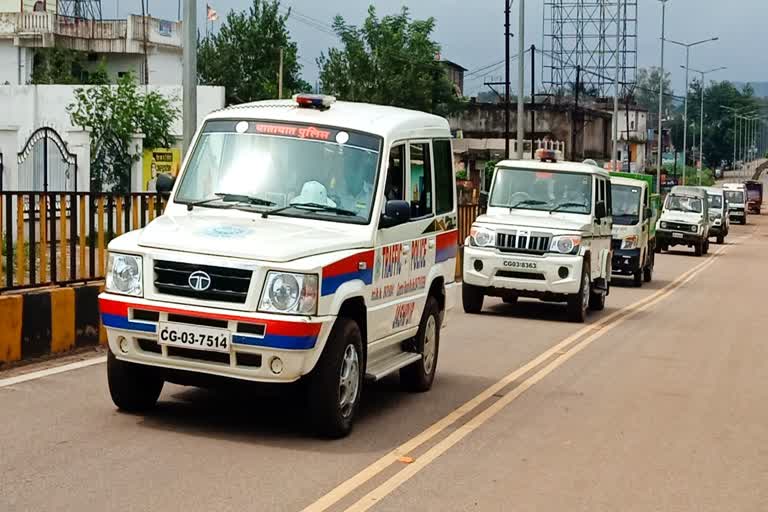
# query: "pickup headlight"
(124, 275)
(695, 229)
(629, 242)
(289, 293)
(481, 237)
(663, 225)
(568, 244)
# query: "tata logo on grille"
(199, 281)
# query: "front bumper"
(736, 214)
(677, 237)
(513, 272)
(625, 261)
(297, 341)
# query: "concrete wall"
(26, 108)
(165, 66)
(9, 58)
(9, 5)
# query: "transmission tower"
(580, 45)
(85, 9)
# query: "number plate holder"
(523, 266)
(194, 337)
(677, 235)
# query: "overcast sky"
(471, 32)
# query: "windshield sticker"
(309, 132)
(342, 137)
(544, 175)
(227, 231)
(241, 127)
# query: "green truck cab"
(635, 210)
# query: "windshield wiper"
(567, 205)
(231, 198)
(311, 207)
(527, 202)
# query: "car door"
(601, 242)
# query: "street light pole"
(688, 47)
(521, 81)
(661, 95)
(701, 127)
(507, 14)
(190, 71)
(615, 151)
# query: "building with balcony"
(148, 47)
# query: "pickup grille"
(227, 284)
(674, 226)
(532, 243)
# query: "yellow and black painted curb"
(38, 323)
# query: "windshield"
(542, 190)
(305, 171)
(715, 201)
(734, 196)
(684, 204)
(626, 204)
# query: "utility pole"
(521, 81)
(507, 14)
(661, 96)
(533, 98)
(190, 71)
(615, 150)
(280, 77)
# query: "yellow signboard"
(159, 161)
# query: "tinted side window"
(444, 189)
(394, 189)
(420, 194)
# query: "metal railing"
(467, 214)
(58, 238)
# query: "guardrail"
(59, 238)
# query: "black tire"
(578, 303)
(648, 270)
(597, 301)
(720, 239)
(637, 279)
(133, 387)
(472, 298)
(510, 299)
(419, 376)
(329, 417)
(698, 248)
(706, 246)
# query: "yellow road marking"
(349, 486)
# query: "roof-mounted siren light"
(318, 101)
(547, 155)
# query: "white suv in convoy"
(546, 235)
(303, 240)
(736, 196)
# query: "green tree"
(114, 114)
(244, 55)
(66, 66)
(388, 61)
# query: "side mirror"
(395, 213)
(600, 211)
(648, 213)
(164, 183)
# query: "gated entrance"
(45, 163)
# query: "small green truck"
(635, 209)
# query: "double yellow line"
(549, 361)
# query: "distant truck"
(736, 196)
(754, 196)
(635, 210)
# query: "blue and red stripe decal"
(279, 334)
(447, 246)
(346, 270)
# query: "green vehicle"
(635, 210)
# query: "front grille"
(196, 320)
(227, 284)
(532, 243)
(149, 346)
(521, 275)
(674, 226)
(199, 355)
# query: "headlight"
(695, 229)
(124, 275)
(289, 293)
(663, 225)
(568, 244)
(481, 237)
(629, 243)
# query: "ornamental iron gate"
(45, 163)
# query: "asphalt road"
(657, 404)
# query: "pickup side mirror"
(600, 210)
(164, 183)
(395, 213)
(648, 213)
